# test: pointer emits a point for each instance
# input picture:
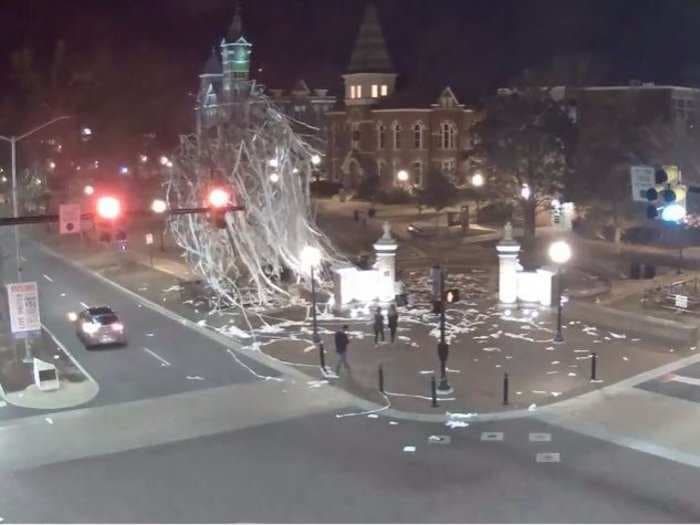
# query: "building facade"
(225, 84)
(383, 131)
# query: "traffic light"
(109, 213)
(219, 199)
(108, 208)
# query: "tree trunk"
(529, 208)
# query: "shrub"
(496, 213)
(394, 196)
(325, 188)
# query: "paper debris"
(409, 449)
(372, 416)
(195, 378)
(532, 407)
(49, 420)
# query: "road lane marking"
(84, 305)
(48, 278)
(492, 436)
(548, 457)
(163, 362)
(685, 379)
(540, 436)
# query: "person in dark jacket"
(378, 325)
(341, 348)
(393, 318)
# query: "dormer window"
(385, 90)
(359, 91)
(375, 90)
(353, 92)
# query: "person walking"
(393, 318)
(341, 348)
(378, 325)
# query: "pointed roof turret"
(213, 64)
(370, 54)
(236, 30)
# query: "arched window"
(381, 169)
(417, 173)
(397, 135)
(355, 135)
(448, 135)
(418, 129)
(381, 136)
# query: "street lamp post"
(311, 257)
(15, 207)
(477, 182)
(443, 348)
(560, 253)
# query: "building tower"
(371, 74)
(207, 99)
(235, 57)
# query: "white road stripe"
(685, 379)
(84, 305)
(48, 278)
(163, 362)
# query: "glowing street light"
(273, 163)
(108, 208)
(316, 159)
(159, 206)
(124, 170)
(4, 179)
(274, 178)
(86, 132)
(88, 190)
(402, 176)
(559, 253)
(52, 165)
(164, 161)
(218, 198)
(143, 159)
(477, 180)
(525, 192)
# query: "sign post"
(149, 243)
(69, 218)
(643, 178)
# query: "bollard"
(433, 391)
(594, 363)
(322, 356)
(381, 379)
(505, 389)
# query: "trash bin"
(649, 271)
(635, 270)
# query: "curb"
(365, 405)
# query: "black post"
(680, 260)
(381, 379)
(162, 241)
(558, 337)
(433, 391)
(322, 357)
(505, 389)
(594, 363)
(443, 347)
(315, 337)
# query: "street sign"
(149, 239)
(681, 301)
(69, 218)
(643, 178)
(24, 307)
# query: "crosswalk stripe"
(685, 379)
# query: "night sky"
(159, 46)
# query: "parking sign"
(24, 307)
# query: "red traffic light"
(219, 198)
(108, 208)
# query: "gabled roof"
(213, 64)
(370, 54)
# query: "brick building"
(383, 130)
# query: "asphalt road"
(162, 357)
(323, 469)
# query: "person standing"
(378, 325)
(393, 318)
(341, 348)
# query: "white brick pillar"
(508, 265)
(385, 249)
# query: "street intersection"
(187, 429)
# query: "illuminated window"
(418, 135)
(359, 91)
(375, 90)
(448, 134)
(381, 136)
(385, 90)
(397, 135)
(353, 93)
(417, 171)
